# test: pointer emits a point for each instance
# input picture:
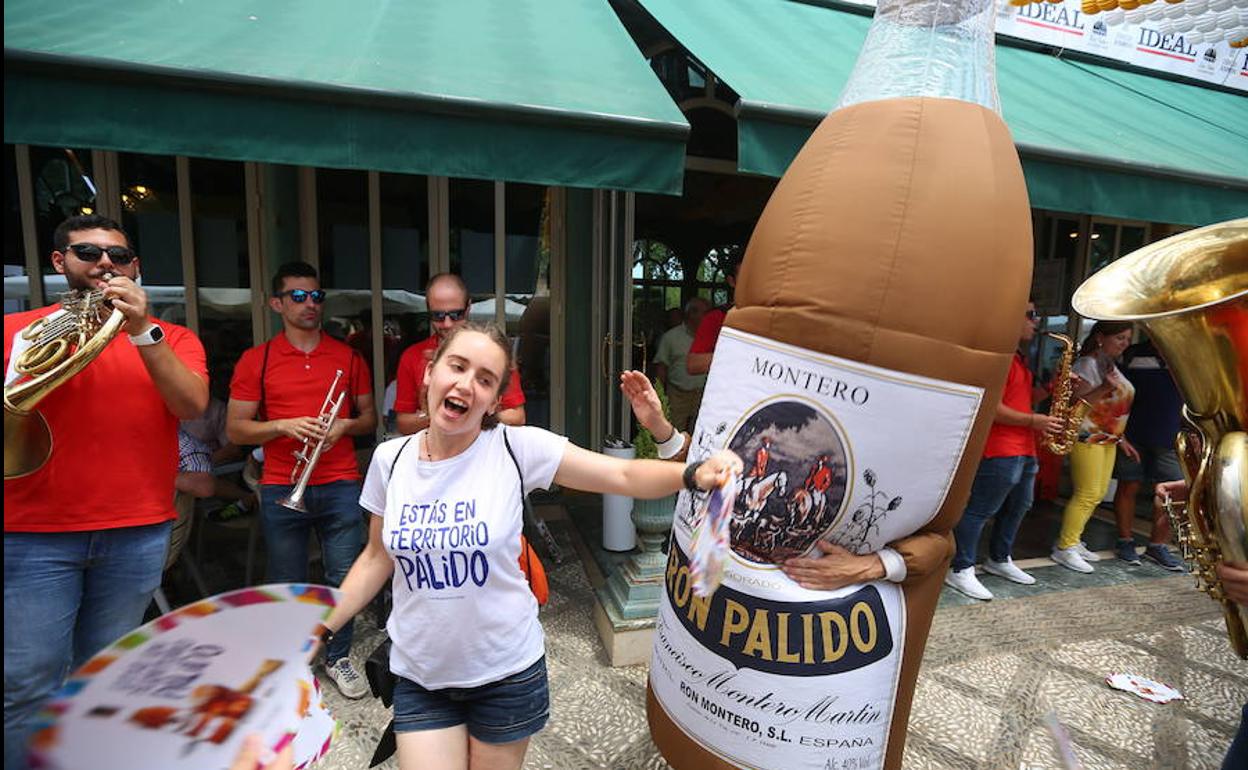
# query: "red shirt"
(1013, 440)
(114, 442)
(820, 478)
(295, 384)
(411, 379)
(760, 462)
(708, 331)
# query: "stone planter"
(653, 520)
(635, 588)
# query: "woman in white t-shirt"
(467, 647)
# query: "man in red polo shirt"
(447, 298)
(1005, 480)
(702, 350)
(85, 534)
(276, 397)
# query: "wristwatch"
(151, 336)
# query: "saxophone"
(1190, 292)
(1070, 414)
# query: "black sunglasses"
(454, 315)
(300, 296)
(89, 252)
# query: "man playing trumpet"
(87, 526)
(278, 398)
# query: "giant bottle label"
(764, 673)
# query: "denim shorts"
(1157, 463)
(508, 710)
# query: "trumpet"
(305, 460)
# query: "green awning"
(541, 91)
(1093, 139)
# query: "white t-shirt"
(463, 611)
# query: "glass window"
(1057, 244)
(472, 237)
(658, 276)
(342, 222)
(1130, 238)
(64, 187)
(219, 216)
(526, 305)
(712, 282)
(1101, 246)
(149, 212)
(404, 273)
(1049, 350)
(1065, 238)
(16, 285)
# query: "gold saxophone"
(62, 344)
(1190, 292)
(1061, 407)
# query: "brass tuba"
(1190, 292)
(60, 345)
(1071, 414)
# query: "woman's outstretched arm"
(644, 479)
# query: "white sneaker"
(1081, 548)
(1070, 559)
(348, 680)
(1007, 570)
(964, 581)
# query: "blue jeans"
(1005, 484)
(1237, 754)
(334, 512)
(68, 595)
(510, 709)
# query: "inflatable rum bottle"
(877, 310)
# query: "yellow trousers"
(1091, 467)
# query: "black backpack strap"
(515, 462)
(264, 368)
(397, 455)
(530, 518)
(351, 410)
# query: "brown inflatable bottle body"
(899, 237)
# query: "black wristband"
(690, 470)
(325, 634)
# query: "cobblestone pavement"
(991, 673)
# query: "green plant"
(644, 444)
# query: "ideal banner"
(1136, 40)
(764, 673)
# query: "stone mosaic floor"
(991, 673)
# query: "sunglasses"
(89, 252)
(454, 315)
(1033, 315)
(300, 296)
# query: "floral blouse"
(1107, 419)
